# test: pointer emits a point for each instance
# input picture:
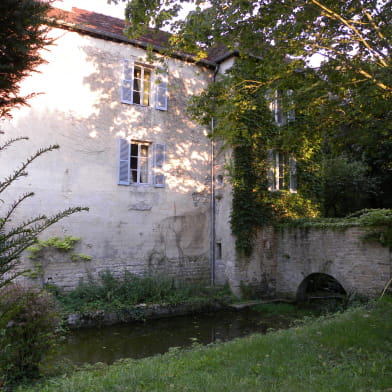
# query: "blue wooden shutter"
(124, 151)
(159, 161)
(127, 83)
(161, 89)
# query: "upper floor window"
(144, 85)
(282, 171)
(135, 160)
(282, 106)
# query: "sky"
(100, 6)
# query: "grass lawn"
(351, 351)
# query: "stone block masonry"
(360, 267)
(284, 258)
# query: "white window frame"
(279, 163)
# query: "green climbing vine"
(64, 245)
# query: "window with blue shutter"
(136, 87)
(134, 166)
(159, 161)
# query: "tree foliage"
(342, 104)
(23, 33)
(354, 35)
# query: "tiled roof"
(113, 28)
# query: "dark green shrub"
(348, 186)
(29, 325)
(109, 292)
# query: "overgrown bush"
(29, 327)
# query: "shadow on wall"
(319, 286)
(187, 159)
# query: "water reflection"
(143, 339)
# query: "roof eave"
(139, 43)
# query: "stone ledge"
(139, 312)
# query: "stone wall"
(360, 267)
(283, 258)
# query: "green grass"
(350, 351)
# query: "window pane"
(146, 87)
(146, 98)
(143, 177)
(134, 176)
(137, 85)
(137, 72)
(144, 151)
(147, 75)
(133, 162)
(143, 167)
(136, 97)
(134, 150)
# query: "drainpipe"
(213, 208)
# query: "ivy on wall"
(330, 181)
(245, 124)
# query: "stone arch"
(319, 284)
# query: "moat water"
(142, 339)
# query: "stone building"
(128, 151)
(152, 179)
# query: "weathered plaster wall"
(139, 228)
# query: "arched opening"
(320, 286)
